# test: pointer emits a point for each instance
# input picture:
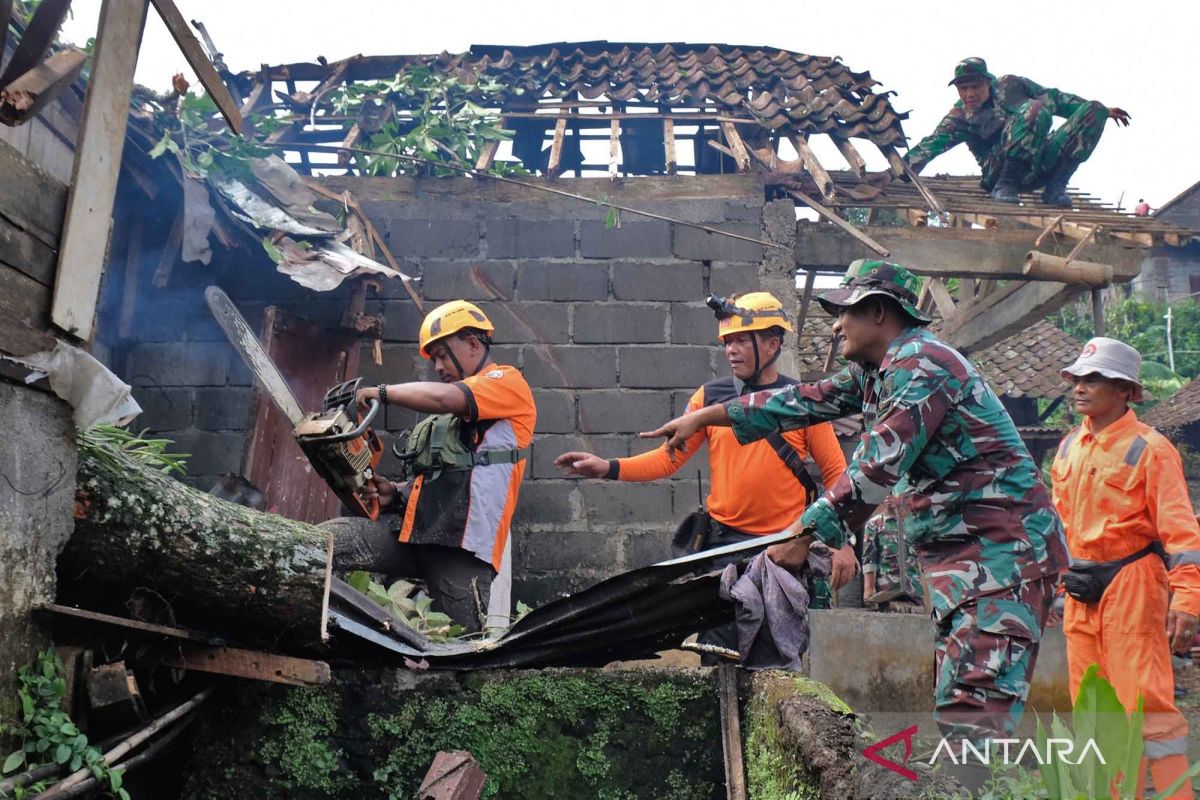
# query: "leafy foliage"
(108, 443)
(1141, 324)
(405, 601)
(448, 123)
(1099, 716)
(47, 734)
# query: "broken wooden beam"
(198, 60)
(29, 93)
(35, 42)
(487, 153)
(851, 154)
(1012, 308)
(900, 169)
(669, 146)
(134, 625)
(813, 167)
(731, 732)
(839, 222)
(250, 664)
(741, 155)
(941, 296)
(1045, 267)
(556, 146)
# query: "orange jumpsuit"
(753, 491)
(1118, 490)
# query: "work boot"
(1008, 182)
(1055, 193)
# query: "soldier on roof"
(1006, 124)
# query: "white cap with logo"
(1110, 358)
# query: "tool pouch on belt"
(693, 534)
(441, 443)
(1086, 581)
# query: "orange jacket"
(752, 489)
(1120, 489)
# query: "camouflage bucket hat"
(970, 69)
(865, 278)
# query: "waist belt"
(488, 457)
(1086, 581)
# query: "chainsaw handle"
(372, 410)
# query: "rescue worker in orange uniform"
(756, 489)
(456, 522)
(1133, 590)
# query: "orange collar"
(1113, 431)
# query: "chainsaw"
(341, 446)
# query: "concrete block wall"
(608, 325)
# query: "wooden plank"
(97, 163)
(556, 146)
(194, 53)
(136, 625)
(734, 140)
(813, 167)
(36, 40)
(614, 149)
(731, 732)
(487, 153)
(30, 198)
(810, 281)
(839, 222)
(26, 253)
(170, 253)
(899, 168)
(133, 273)
(966, 290)
(857, 165)
(941, 297)
(250, 664)
(1098, 312)
(669, 145)
(24, 313)
(950, 252)
(29, 93)
(1010, 309)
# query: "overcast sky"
(1139, 56)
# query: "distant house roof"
(1183, 209)
(1025, 364)
(1178, 410)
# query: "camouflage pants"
(1027, 137)
(984, 660)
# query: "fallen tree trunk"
(255, 577)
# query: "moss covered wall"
(601, 734)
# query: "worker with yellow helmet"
(459, 505)
(744, 500)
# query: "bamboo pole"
(1045, 267)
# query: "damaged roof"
(787, 92)
(1178, 410)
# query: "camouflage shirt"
(979, 515)
(980, 130)
(881, 549)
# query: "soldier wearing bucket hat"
(990, 544)
(1006, 124)
(1133, 589)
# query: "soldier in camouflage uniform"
(881, 564)
(990, 543)
(1006, 124)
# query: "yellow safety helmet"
(754, 311)
(450, 318)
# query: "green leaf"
(359, 580)
(423, 604)
(14, 760)
(62, 754)
(161, 147)
(400, 590)
(273, 252)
